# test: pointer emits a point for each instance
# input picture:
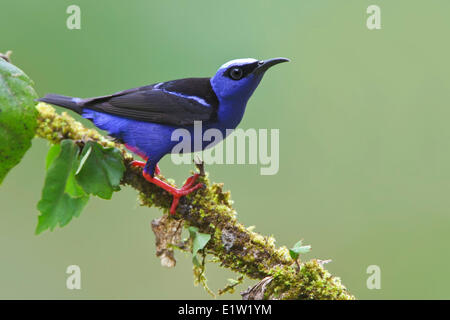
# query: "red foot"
(176, 193)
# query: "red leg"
(176, 193)
(141, 164)
(136, 151)
(137, 163)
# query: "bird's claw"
(186, 189)
(183, 191)
(190, 181)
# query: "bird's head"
(237, 79)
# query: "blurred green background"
(364, 139)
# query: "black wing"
(178, 102)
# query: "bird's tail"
(71, 103)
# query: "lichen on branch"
(210, 210)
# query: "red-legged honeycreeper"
(144, 118)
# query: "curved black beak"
(263, 65)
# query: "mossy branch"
(210, 210)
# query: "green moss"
(311, 282)
(55, 127)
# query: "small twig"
(297, 264)
(200, 165)
(232, 286)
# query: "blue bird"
(144, 118)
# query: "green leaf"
(62, 198)
(199, 241)
(298, 249)
(17, 115)
(54, 151)
(100, 170)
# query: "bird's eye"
(236, 73)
